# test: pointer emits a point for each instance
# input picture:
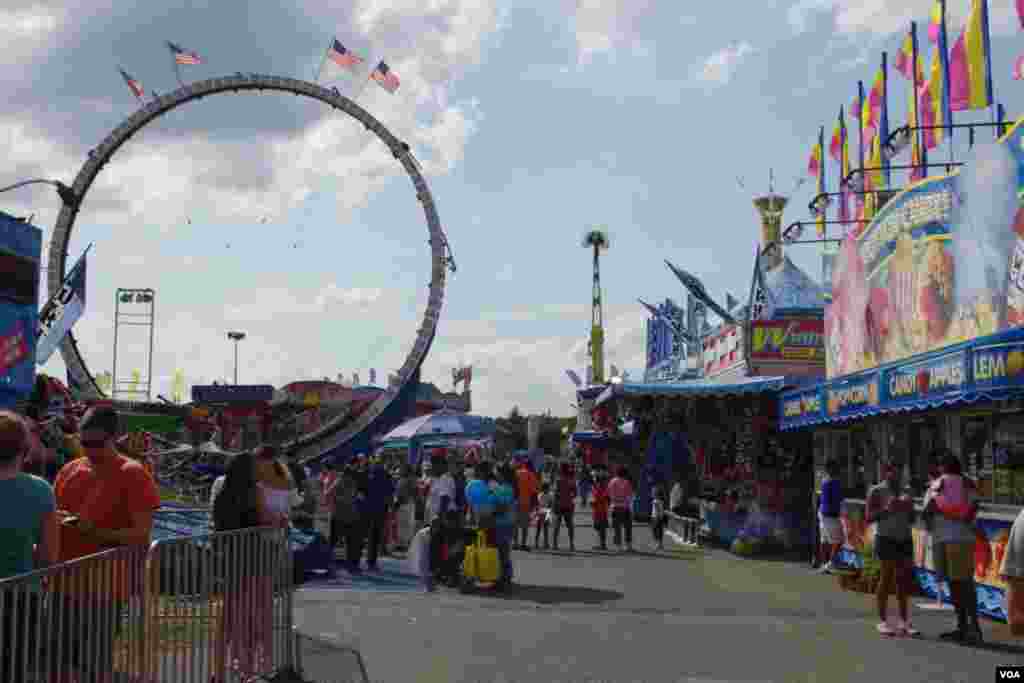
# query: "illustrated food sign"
(998, 365)
(941, 263)
(801, 406)
(935, 377)
(787, 340)
(852, 397)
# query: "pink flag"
(1020, 12)
(1018, 67)
(959, 77)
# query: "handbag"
(481, 562)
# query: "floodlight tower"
(597, 240)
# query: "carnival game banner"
(787, 341)
(941, 263)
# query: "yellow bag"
(481, 562)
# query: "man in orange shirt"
(529, 486)
(104, 500)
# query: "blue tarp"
(980, 370)
(752, 385)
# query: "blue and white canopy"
(441, 423)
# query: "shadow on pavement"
(665, 555)
(556, 595)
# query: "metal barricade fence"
(216, 607)
(219, 607)
(75, 621)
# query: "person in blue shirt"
(829, 506)
(480, 497)
(506, 518)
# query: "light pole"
(236, 337)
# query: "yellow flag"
(178, 388)
(133, 390)
(105, 381)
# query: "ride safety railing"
(215, 607)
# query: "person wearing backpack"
(565, 506)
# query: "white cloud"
(883, 17)
(602, 26)
(720, 66)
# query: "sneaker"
(825, 568)
(886, 630)
(956, 636)
(908, 629)
(974, 636)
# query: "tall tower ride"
(596, 240)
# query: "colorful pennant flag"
(905, 59)
(814, 163)
(822, 201)
(835, 145)
(970, 63)
(385, 77)
(1020, 12)
(916, 160)
(132, 84)
(183, 56)
(936, 20)
(1018, 67)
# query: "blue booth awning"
(752, 385)
(980, 370)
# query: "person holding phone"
(104, 500)
(891, 510)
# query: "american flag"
(133, 84)
(340, 55)
(181, 56)
(385, 77)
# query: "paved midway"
(589, 617)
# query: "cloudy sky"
(532, 121)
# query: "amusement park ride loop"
(335, 432)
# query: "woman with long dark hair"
(245, 641)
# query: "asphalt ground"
(701, 617)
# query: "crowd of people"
(376, 510)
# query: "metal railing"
(216, 607)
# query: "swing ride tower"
(596, 240)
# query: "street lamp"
(236, 337)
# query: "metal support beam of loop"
(334, 433)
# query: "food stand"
(926, 352)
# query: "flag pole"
(986, 43)
(860, 127)
(319, 69)
(883, 120)
(922, 152)
(947, 109)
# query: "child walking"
(543, 515)
(600, 501)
